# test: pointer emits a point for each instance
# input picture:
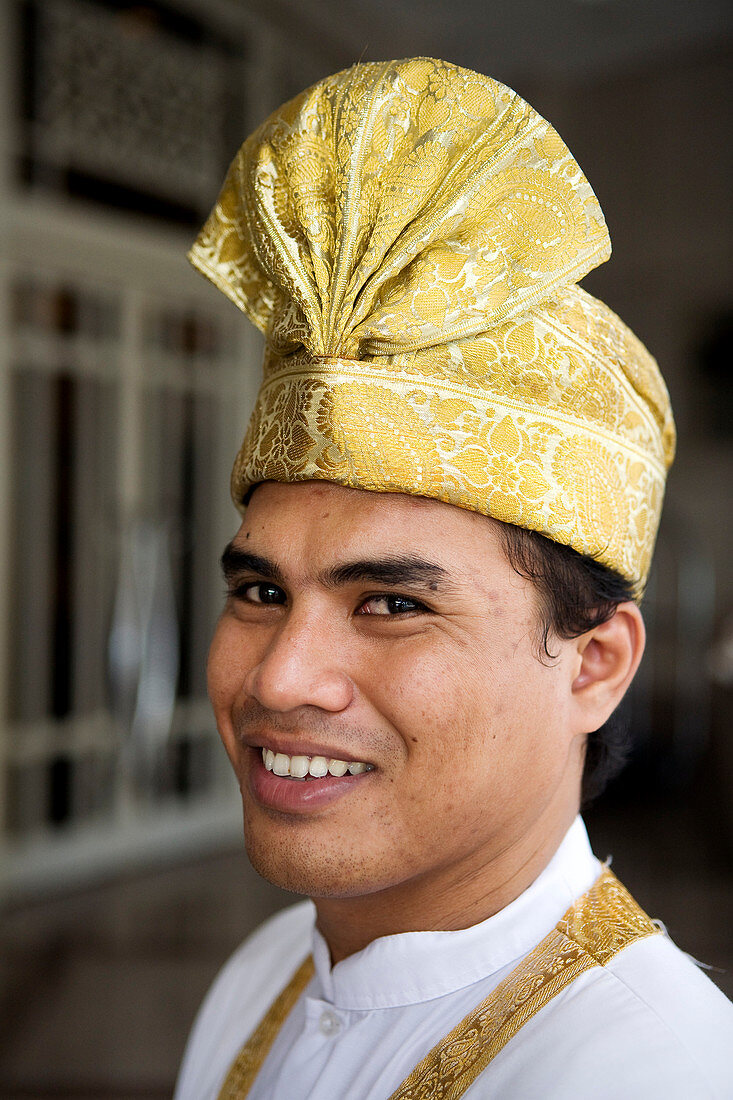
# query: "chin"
(311, 873)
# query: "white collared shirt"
(648, 1024)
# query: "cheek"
(408, 686)
(532, 732)
(225, 672)
(221, 668)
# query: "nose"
(302, 666)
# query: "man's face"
(389, 631)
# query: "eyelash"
(239, 592)
(417, 607)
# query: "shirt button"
(329, 1023)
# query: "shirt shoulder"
(239, 997)
(647, 1024)
(671, 993)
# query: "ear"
(609, 657)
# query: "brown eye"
(390, 605)
(261, 592)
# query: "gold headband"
(408, 236)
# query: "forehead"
(328, 521)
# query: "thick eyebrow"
(392, 571)
(235, 562)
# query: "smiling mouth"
(311, 767)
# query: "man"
(450, 490)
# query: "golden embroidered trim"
(247, 1064)
(601, 923)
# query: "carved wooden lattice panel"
(122, 96)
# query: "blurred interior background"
(125, 386)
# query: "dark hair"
(575, 594)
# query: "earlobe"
(609, 657)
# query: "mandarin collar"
(413, 967)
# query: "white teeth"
(318, 766)
(299, 767)
(281, 765)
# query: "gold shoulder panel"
(599, 925)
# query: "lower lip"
(277, 792)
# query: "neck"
(446, 900)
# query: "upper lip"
(304, 747)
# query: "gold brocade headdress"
(408, 236)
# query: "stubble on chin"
(281, 852)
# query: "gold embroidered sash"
(255, 1050)
(596, 927)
